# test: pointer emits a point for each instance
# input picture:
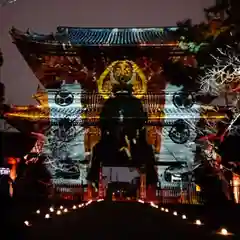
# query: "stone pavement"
(117, 220)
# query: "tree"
(32, 184)
(201, 40)
(207, 42)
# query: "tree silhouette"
(32, 183)
(204, 41)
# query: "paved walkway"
(117, 220)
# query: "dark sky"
(44, 16)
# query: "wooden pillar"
(236, 188)
(13, 173)
(143, 194)
(151, 193)
(154, 137)
(89, 191)
(100, 185)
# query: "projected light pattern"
(167, 177)
(174, 174)
(64, 146)
(171, 151)
(35, 151)
(83, 168)
(122, 72)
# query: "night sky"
(44, 16)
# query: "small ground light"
(166, 210)
(184, 217)
(27, 223)
(224, 232)
(162, 209)
(153, 205)
(175, 213)
(74, 207)
(89, 202)
(59, 212)
(65, 210)
(198, 222)
(51, 209)
(38, 211)
(79, 205)
(61, 207)
(47, 216)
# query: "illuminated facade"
(78, 68)
(64, 144)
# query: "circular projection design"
(122, 72)
(179, 132)
(183, 100)
(64, 98)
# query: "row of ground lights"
(222, 231)
(60, 210)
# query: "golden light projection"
(122, 72)
(41, 98)
(35, 113)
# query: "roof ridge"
(104, 28)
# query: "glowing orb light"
(198, 222)
(59, 212)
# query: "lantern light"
(198, 222)
(184, 217)
(153, 205)
(89, 202)
(47, 216)
(224, 232)
(38, 211)
(59, 212)
(27, 223)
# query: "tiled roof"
(117, 36)
(101, 36)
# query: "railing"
(184, 194)
(168, 193)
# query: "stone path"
(117, 220)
